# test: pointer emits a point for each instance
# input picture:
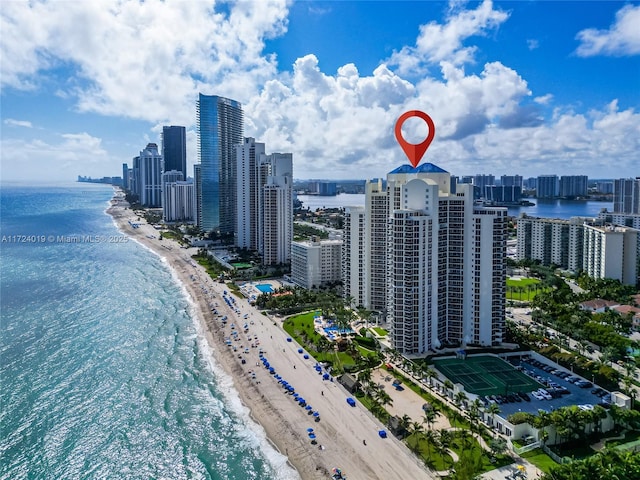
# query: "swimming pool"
(264, 288)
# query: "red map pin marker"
(414, 152)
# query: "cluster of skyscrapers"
(237, 189)
(160, 179)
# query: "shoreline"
(349, 436)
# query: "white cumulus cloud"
(621, 39)
(18, 123)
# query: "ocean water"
(104, 373)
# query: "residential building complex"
(220, 127)
(316, 262)
(436, 259)
(600, 249)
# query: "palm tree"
(383, 397)
(429, 374)
(493, 409)
(405, 422)
(432, 439)
(448, 385)
(430, 416)
(459, 398)
(365, 377)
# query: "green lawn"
(302, 328)
(427, 451)
(524, 289)
(540, 459)
(380, 331)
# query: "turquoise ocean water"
(104, 374)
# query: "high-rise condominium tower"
(220, 127)
(149, 164)
(174, 149)
(265, 203)
(442, 259)
(626, 195)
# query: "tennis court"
(486, 375)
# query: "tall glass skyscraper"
(174, 149)
(220, 127)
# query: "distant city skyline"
(528, 88)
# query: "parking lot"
(565, 391)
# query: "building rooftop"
(424, 168)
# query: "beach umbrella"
(308, 407)
(316, 414)
(299, 350)
(289, 339)
(306, 357)
(312, 436)
(309, 429)
(325, 376)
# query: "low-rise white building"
(316, 262)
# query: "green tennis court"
(486, 375)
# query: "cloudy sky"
(521, 87)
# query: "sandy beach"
(348, 435)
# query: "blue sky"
(525, 87)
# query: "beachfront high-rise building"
(316, 262)
(276, 219)
(573, 186)
(150, 176)
(353, 265)
(265, 201)
(197, 183)
(249, 154)
(125, 176)
(174, 149)
(444, 260)
(220, 127)
(178, 198)
(626, 195)
(547, 186)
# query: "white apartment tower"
(610, 251)
(150, 165)
(353, 257)
(265, 201)
(277, 209)
(316, 262)
(248, 157)
(178, 201)
(444, 261)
